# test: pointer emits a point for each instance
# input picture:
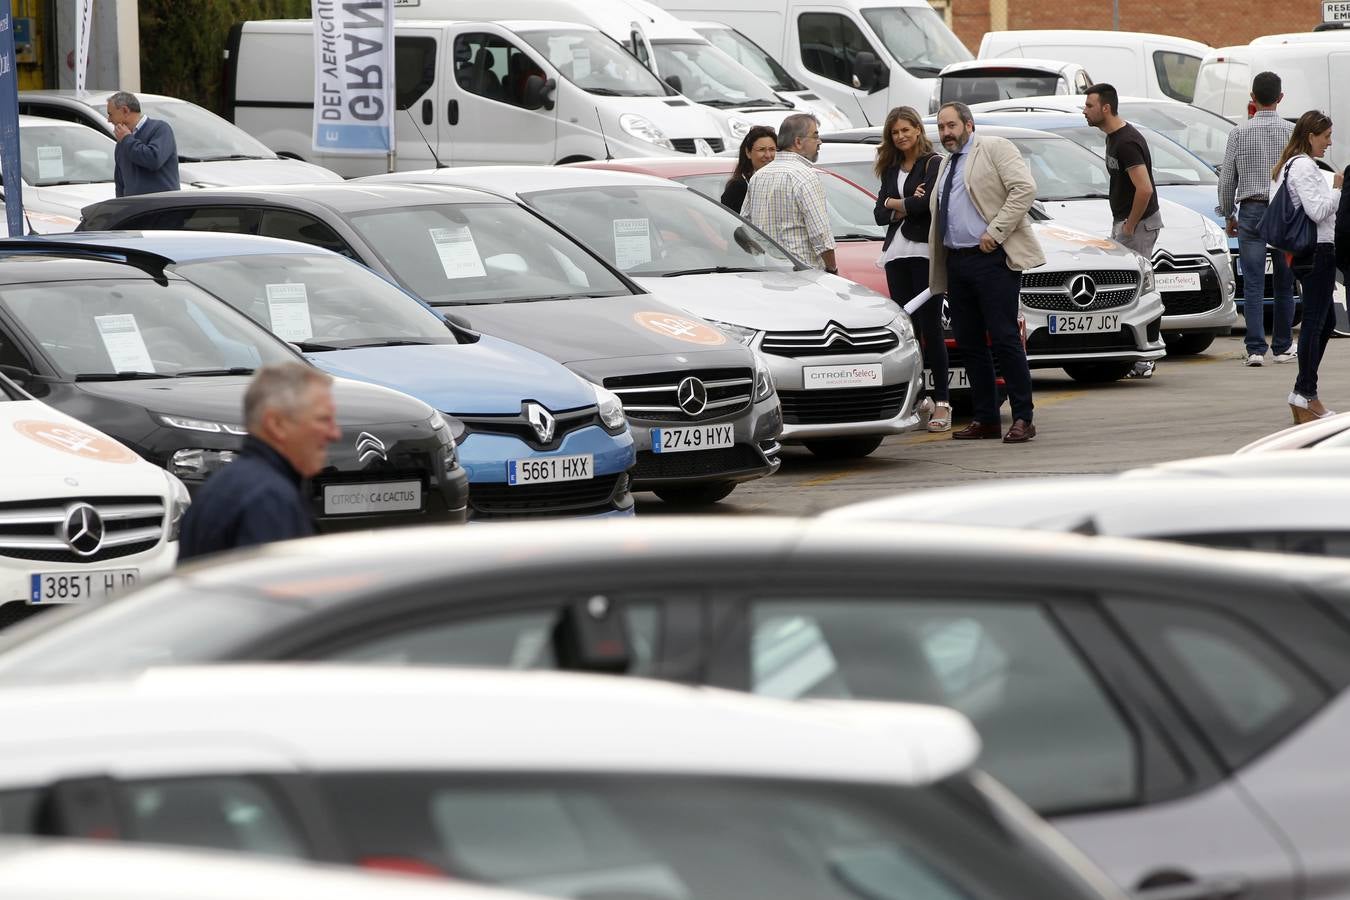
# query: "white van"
(474, 93)
(1133, 62)
(864, 56)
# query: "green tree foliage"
(183, 42)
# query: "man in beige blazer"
(980, 242)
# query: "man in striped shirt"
(1253, 149)
(786, 200)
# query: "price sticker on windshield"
(51, 165)
(458, 253)
(122, 339)
(288, 308)
(632, 243)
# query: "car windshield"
(203, 136)
(917, 37)
(984, 85)
(849, 209)
(1171, 164)
(707, 75)
(595, 63)
(100, 328)
(482, 253)
(676, 837)
(318, 299)
(64, 154)
(1198, 130)
(752, 56)
(656, 230)
(1063, 170)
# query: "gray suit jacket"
(147, 160)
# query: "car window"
(1049, 730)
(51, 111)
(493, 67)
(1305, 540)
(414, 68)
(1062, 169)
(829, 44)
(752, 56)
(1176, 74)
(978, 86)
(296, 226)
(229, 219)
(707, 75)
(917, 37)
(11, 354)
(1171, 164)
(1198, 130)
(849, 209)
(222, 813)
(62, 154)
(203, 136)
(1241, 688)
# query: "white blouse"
(1311, 193)
(902, 247)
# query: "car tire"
(844, 448)
(1098, 373)
(695, 494)
(1187, 344)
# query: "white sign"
(50, 164)
(1177, 281)
(632, 243)
(458, 253)
(122, 339)
(84, 14)
(386, 496)
(816, 378)
(353, 77)
(288, 308)
(1335, 11)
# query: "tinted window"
(64, 154)
(295, 226)
(982, 87)
(230, 219)
(221, 813)
(414, 68)
(829, 44)
(493, 67)
(1176, 74)
(1049, 731)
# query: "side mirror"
(461, 328)
(865, 71)
(538, 91)
(674, 81)
(883, 76)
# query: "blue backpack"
(1285, 226)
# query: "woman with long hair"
(758, 149)
(1309, 192)
(907, 166)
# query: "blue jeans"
(983, 297)
(1319, 321)
(1252, 259)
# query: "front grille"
(519, 426)
(653, 396)
(34, 529)
(1050, 290)
(501, 499)
(727, 460)
(832, 340)
(1042, 341)
(686, 145)
(1185, 303)
(840, 405)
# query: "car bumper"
(1139, 337)
(16, 576)
(486, 457)
(754, 455)
(1212, 309)
(812, 412)
(445, 501)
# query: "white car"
(65, 167)
(844, 358)
(1333, 432)
(81, 516)
(981, 80)
(569, 785)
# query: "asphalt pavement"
(1193, 406)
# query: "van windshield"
(709, 76)
(595, 63)
(917, 37)
(752, 56)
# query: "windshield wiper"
(391, 342)
(118, 376)
(193, 159)
(233, 370)
(857, 236)
(722, 104)
(1091, 195)
(603, 92)
(710, 270)
(59, 183)
(921, 69)
(767, 103)
(311, 347)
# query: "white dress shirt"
(1310, 192)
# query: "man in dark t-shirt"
(1134, 201)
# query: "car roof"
(513, 181)
(343, 197)
(262, 718)
(178, 246)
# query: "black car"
(162, 366)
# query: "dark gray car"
(703, 408)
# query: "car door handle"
(1220, 887)
(426, 112)
(452, 112)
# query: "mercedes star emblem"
(692, 396)
(369, 447)
(542, 421)
(1082, 291)
(83, 529)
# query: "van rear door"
(489, 123)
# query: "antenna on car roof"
(430, 149)
(604, 140)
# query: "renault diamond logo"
(541, 420)
(692, 396)
(1082, 291)
(369, 447)
(83, 529)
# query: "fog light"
(197, 463)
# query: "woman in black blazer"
(907, 167)
(758, 149)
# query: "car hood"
(1068, 247)
(250, 172)
(46, 450)
(1182, 234)
(490, 377)
(776, 301)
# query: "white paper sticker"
(581, 63)
(122, 339)
(632, 242)
(288, 307)
(458, 253)
(51, 164)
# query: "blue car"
(534, 438)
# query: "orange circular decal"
(76, 441)
(1078, 237)
(682, 329)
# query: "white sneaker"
(1290, 355)
(1142, 369)
(1256, 359)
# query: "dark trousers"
(905, 278)
(982, 298)
(1318, 319)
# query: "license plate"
(699, 437)
(1177, 281)
(957, 380)
(80, 587)
(1088, 324)
(371, 497)
(824, 377)
(554, 468)
(1270, 266)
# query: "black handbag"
(1285, 226)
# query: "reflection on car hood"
(485, 378)
(1182, 234)
(251, 172)
(37, 465)
(776, 301)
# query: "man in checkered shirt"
(1253, 149)
(786, 200)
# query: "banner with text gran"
(353, 76)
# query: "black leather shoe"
(977, 430)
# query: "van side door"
(488, 121)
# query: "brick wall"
(1232, 22)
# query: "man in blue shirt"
(259, 498)
(146, 156)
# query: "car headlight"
(1146, 285)
(738, 333)
(179, 501)
(739, 127)
(1215, 240)
(201, 425)
(763, 379)
(196, 463)
(902, 326)
(644, 129)
(611, 410)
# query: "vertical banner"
(354, 77)
(9, 123)
(84, 14)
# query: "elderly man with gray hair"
(258, 498)
(146, 155)
(786, 200)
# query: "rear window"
(1176, 74)
(984, 86)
